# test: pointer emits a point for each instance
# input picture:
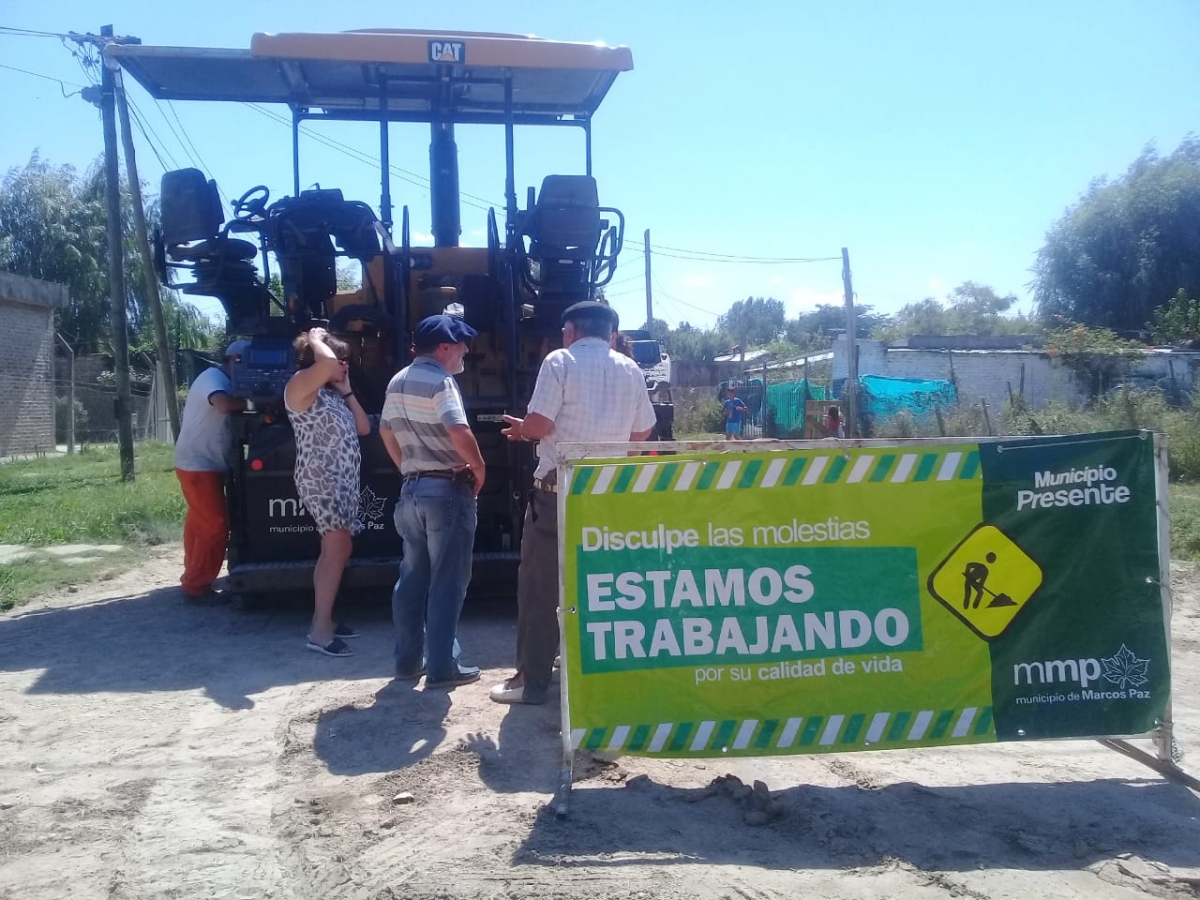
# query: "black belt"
(432, 473)
(550, 487)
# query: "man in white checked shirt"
(584, 392)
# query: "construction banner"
(843, 597)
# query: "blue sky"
(938, 141)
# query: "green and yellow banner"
(844, 598)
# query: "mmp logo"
(1124, 669)
(285, 508)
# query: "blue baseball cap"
(442, 329)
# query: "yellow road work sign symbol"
(986, 581)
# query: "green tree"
(1178, 321)
(1127, 246)
(1096, 355)
(54, 226)
(687, 343)
(658, 329)
(827, 320)
(754, 321)
(970, 308)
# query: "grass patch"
(27, 578)
(1184, 503)
(81, 499)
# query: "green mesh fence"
(786, 403)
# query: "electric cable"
(10, 31)
(62, 85)
(144, 126)
(137, 120)
(625, 280)
(746, 260)
(203, 165)
(658, 287)
(403, 174)
(178, 139)
(731, 257)
(357, 155)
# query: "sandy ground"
(150, 749)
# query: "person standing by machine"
(327, 420)
(203, 453)
(584, 392)
(425, 432)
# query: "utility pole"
(649, 295)
(116, 274)
(851, 349)
(166, 372)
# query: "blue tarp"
(883, 397)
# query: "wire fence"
(89, 403)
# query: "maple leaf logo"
(370, 504)
(1125, 669)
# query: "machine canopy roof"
(424, 75)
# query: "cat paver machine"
(274, 264)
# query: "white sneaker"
(502, 693)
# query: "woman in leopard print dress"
(327, 420)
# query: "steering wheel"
(252, 203)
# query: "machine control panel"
(263, 371)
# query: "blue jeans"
(436, 521)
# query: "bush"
(1117, 411)
(697, 412)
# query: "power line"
(137, 117)
(638, 277)
(624, 293)
(145, 126)
(357, 155)
(659, 288)
(62, 85)
(733, 257)
(178, 139)
(702, 256)
(203, 164)
(9, 31)
(405, 175)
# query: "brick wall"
(27, 363)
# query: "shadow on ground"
(156, 642)
(1033, 827)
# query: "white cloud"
(936, 284)
(419, 238)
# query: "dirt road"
(154, 750)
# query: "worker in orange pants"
(203, 453)
(205, 530)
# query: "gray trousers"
(537, 595)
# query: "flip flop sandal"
(345, 632)
(336, 647)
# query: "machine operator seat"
(565, 223)
(192, 219)
(192, 237)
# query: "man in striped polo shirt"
(425, 431)
(584, 392)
